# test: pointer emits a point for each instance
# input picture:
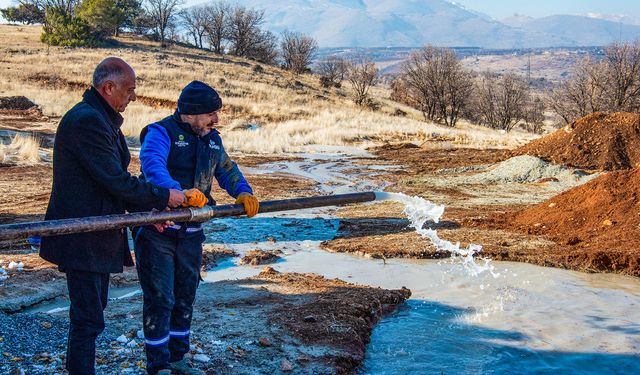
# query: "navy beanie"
(198, 98)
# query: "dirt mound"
(607, 141)
(599, 220)
(20, 103)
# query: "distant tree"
(333, 70)
(217, 24)
(195, 20)
(27, 11)
(580, 95)
(244, 30)
(129, 11)
(621, 70)
(162, 13)
(62, 25)
(141, 23)
(106, 17)
(65, 29)
(534, 115)
(503, 102)
(362, 75)
(611, 84)
(264, 49)
(297, 51)
(439, 84)
(401, 93)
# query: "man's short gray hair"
(107, 71)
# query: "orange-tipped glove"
(195, 198)
(249, 202)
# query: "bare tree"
(244, 29)
(580, 95)
(502, 102)
(195, 19)
(217, 25)
(264, 49)
(442, 88)
(362, 75)
(297, 51)
(534, 115)
(612, 84)
(621, 67)
(332, 70)
(162, 13)
(458, 87)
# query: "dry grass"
(347, 127)
(291, 111)
(23, 150)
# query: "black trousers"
(88, 293)
(169, 272)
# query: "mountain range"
(411, 23)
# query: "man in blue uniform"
(90, 178)
(183, 151)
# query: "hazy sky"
(535, 8)
(540, 8)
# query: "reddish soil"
(606, 141)
(600, 221)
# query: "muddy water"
(518, 318)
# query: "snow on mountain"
(582, 31)
(614, 18)
(410, 23)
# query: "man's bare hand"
(176, 198)
(160, 227)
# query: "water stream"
(465, 316)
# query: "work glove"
(195, 198)
(249, 202)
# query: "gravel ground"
(529, 169)
(271, 323)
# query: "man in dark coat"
(90, 178)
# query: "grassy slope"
(291, 111)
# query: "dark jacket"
(90, 160)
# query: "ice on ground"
(201, 358)
(17, 266)
(122, 339)
(528, 169)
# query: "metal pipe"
(100, 223)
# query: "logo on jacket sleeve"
(213, 145)
(181, 142)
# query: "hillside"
(266, 109)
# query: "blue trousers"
(169, 271)
(88, 294)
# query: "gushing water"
(420, 211)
